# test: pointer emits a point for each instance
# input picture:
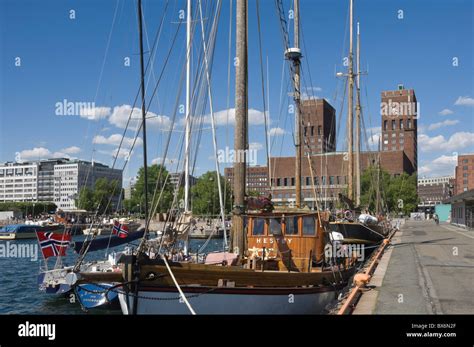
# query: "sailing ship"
(352, 225)
(277, 264)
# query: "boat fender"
(335, 236)
(361, 280)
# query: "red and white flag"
(121, 230)
(53, 245)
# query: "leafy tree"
(205, 194)
(27, 208)
(99, 197)
(85, 201)
(157, 175)
(399, 193)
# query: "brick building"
(398, 152)
(399, 110)
(464, 180)
(434, 190)
(319, 131)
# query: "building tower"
(399, 110)
(319, 131)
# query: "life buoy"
(348, 214)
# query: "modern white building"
(18, 182)
(72, 176)
(53, 180)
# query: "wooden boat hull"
(229, 289)
(357, 231)
(230, 301)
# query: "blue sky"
(47, 57)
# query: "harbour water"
(19, 293)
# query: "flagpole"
(41, 249)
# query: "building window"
(384, 125)
(308, 180)
(285, 181)
(323, 180)
(464, 161)
(316, 181)
(409, 124)
(401, 123)
(319, 130)
(331, 180)
(464, 167)
(393, 124)
(305, 130)
(292, 181)
(312, 131)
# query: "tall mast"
(350, 109)
(142, 81)
(188, 107)
(296, 63)
(358, 115)
(240, 135)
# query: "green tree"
(157, 179)
(398, 194)
(205, 194)
(100, 196)
(85, 201)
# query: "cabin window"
(275, 226)
(309, 226)
(258, 226)
(291, 226)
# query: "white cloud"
(44, 153)
(225, 117)
(276, 132)
(464, 101)
(71, 150)
(120, 115)
(168, 161)
(115, 139)
(35, 153)
(310, 92)
(445, 123)
(445, 112)
(443, 165)
(123, 154)
(95, 113)
(458, 140)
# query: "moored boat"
(28, 231)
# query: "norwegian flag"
(53, 245)
(121, 230)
